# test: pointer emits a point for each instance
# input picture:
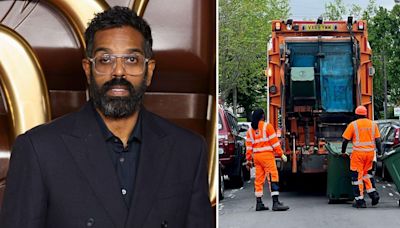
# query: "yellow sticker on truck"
(319, 27)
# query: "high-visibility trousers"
(361, 171)
(265, 165)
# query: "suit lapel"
(89, 150)
(152, 164)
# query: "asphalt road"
(309, 208)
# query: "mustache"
(117, 82)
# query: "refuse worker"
(365, 137)
(261, 146)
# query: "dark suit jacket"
(61, 175)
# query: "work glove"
(249, 165)
(344, 155)
(284, 158)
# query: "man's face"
(116, 93)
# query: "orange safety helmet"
(361, 110)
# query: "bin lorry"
(318, 73)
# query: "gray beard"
(117, 107)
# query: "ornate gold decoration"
(139, 6)
(79, 13)
(212, 157)
(22, 82)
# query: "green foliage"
(244, 30)
(384, 33)
(335, 11)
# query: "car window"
(384, 132)
(390, 135)
(219, 122)
(232, 123)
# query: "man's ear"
(86, 67)
(151, 65)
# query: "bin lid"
(390, 153)
(335, 147)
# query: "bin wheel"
(399, 203)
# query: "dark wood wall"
(184, 42)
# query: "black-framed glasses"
(133, 64)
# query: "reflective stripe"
(356, 132)
(265, 132)
(357, 143)
(272, 136)
(363, 149)
(251, 135)
(359, 197)
(275, 145)
(258, 194)
(275, 193)
(356, 182)
(373, 131)
(249, 148)
(265, 138)
(370, 143)
(367, 176)
(371, 190)
(260, 140)
(265, 148)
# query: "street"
(308, 208)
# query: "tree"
(334, 11)
(384, 33)
(244, 30)
(337, 10)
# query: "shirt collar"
(136, 133)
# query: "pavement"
(309, 208)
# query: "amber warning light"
(277, 26)
(360, 25)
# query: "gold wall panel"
(184, 43)
(139, 6)
(22, 82)
(79, 13)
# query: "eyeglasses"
(133, 64)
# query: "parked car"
(383, 125)
(391, 138)
(231, 148)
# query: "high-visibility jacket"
(362, 133)
(262, 140)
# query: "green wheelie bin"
(339, 186)
(391, 160)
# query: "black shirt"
(125, 160)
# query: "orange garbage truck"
(318, 73)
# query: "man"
(113, 164)
(364, 135)
(261, 146)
